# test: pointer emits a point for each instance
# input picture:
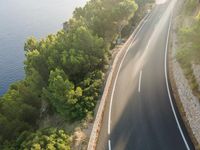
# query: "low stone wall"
(190, 103)
(187, 103)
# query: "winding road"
(141, 114)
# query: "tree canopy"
(66, 70)
(46, 139)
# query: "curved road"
(140, 114)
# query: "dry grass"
(179, 21)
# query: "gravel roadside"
(187, 103)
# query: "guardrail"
(99, 116)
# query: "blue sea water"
(20, 19)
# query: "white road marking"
(139, 84)
(114, 86)
(170, 98)
(145, 21)
(109, 145)
(113, 90)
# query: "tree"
(35, 61)
(60, 93)
(31, 44)
(66, 71)
(105, 17)
(16, 112)
(87, 53)
(48, 139)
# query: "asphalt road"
(140, 115)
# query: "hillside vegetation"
(64, 75)
(189, 42)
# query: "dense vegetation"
(65, 71)
(189, 39)
(45, 139)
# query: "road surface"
(141, 115)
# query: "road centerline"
(118, 137)
(115, 81)
(109, 145)
(140, 80)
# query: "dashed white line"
(139, 84)
(109, 145)
(114, 86)
(110, 108)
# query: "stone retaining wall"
(188, 104)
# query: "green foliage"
(60, 92)
(72, 103)
(106, 18)
(66, 71)
(141, 3)
(18, 111)
(190, 6)
(46, 139)
(190, 38)
(143, 7)
(189, 52)
(84, 53)
(31, 44)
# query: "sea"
(21, 19)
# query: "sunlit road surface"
(140, 113)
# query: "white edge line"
(166, 77)
(113, 90)
(146, 17)
(140, 78)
